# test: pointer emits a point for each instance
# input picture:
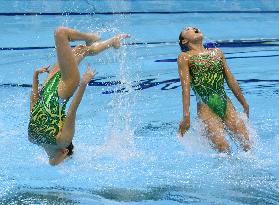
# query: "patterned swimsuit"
(48, 114)
(207, 81)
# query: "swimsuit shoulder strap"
(55, 76)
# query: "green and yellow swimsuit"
(207, 81)
(48, 114)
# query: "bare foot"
(93, 37)
(118, 38)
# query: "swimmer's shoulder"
(184, 57)
(218, 51)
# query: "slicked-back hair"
(183, 47)
(71, 149)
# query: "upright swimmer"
(206, 70)
(50, 126)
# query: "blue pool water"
(126, 149)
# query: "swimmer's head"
(62, 154)
(189, 35)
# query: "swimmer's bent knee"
(60, 32)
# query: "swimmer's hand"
(184, 125)
(246, 109)
(87, 76)
(42, 70)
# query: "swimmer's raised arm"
(35, 90)
(233, 84)
(68, 130)
(87, 76)
(184, 74)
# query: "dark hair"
(183, 47)
(70, 148)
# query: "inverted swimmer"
(205, 70)
(50, 126)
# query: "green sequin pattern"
(48, 114)
(207, 81)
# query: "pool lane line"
(132, 13)
(253, 51)
(16, 85)
(26, 48)
(169, 60)
(218, 43)
(146, 84)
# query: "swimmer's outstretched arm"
(233, 85)
(35, 90)
(87, 76)
(68, 130)
(184, 74)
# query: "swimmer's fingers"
(88, 74)
(43, 69)
(94, 72)
(46, 69)
(89, 70)
(181, 130)
(88, 67)
(184, 126)
(246, 110)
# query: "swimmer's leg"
(81, 51)
(237, 126)
(92, 47)
(214, 128)
(99, 46)
(66, 60)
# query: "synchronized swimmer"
(50, 126)
(205, 70)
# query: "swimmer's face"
(191, 34)
(60, 156)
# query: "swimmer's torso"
(207, 80)
(48, 114)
